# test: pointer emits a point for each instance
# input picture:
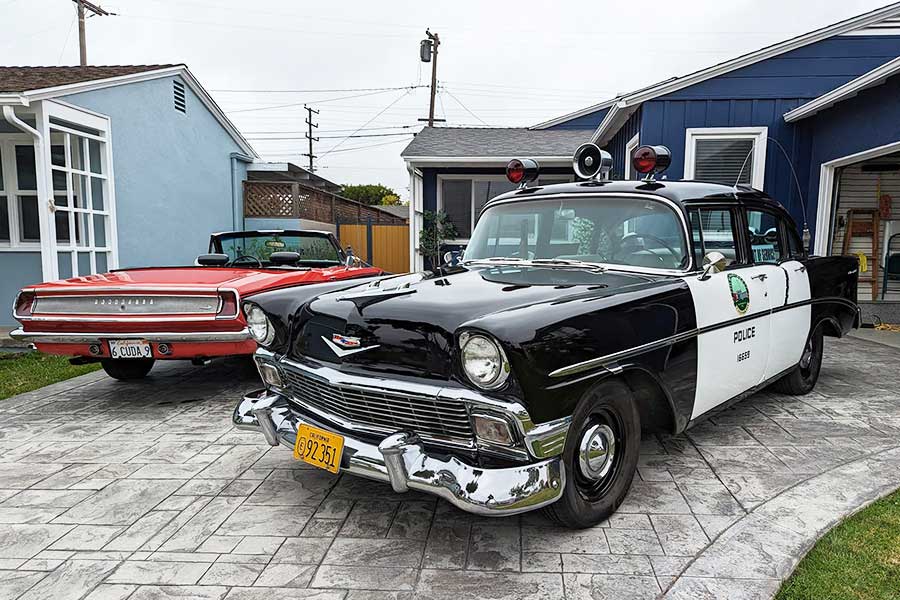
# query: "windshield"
(260, 246)
(609, 230)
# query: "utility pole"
(82, 36)
(309, 135)
(428, 52)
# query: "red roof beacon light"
(521, 171)
(650, 160)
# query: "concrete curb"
(751, 558)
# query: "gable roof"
(23, 85)
(624, 106)
(873, 78)
(492, 144)
(24, 79)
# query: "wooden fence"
(291, 200)
(381, 245)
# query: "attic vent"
(180, 104)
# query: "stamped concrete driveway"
(111, 491)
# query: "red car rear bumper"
(179, 345)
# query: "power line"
(465, 107)
(282, 132)
(328, 137)
(381, 112)
(315, 91)
(293, 104)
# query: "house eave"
(873, 78)
(673, 85)
(182, 70)
(573, 115)
(480, 161)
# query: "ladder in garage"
(865, 223)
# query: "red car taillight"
(228, 304)
(24, 302)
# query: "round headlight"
(483, 361)
(260, 327)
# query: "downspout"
(237, 200)
(9, 114)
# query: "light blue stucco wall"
(17, 269)
(173, 172)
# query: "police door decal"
(733, 320)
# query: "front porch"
(57, 199)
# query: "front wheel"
(802, 379)
(127, 369)
(600, 456)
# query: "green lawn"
(857, 560)
(30, 370)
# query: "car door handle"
(800, 269)
(761, 277)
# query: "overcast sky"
(501, 63)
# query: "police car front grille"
(386, 411)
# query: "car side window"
(712, 230)
(795, 245)
(765, 236)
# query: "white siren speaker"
(590, 162)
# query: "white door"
(774, 243)
(732, 311)
(734, 331)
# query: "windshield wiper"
(566, 262)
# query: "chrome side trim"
(96, 338)
(604, 361)
(401, 461)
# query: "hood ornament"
(345, 345)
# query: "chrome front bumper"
(39, 337)
(401, 460)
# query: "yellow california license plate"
(319, 448)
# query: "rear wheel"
(127, 369)
(600, 456)
(803, 378)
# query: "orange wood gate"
(384, 246)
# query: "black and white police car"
(581, 315)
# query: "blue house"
(814, 121)
(106, 167)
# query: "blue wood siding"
(807, 72)
(616, 146)
(588, 121)
(867, 121)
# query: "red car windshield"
(246, 248)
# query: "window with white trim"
(81, 201)
(462, 197)
(19, 219)
(727, 155)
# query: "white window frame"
(630, 146)
(759, 136)
(12, 191)
(473, 179)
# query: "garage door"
(860, 187)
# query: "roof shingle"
(24, 79)
(495, 142)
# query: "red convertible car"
(127, 319)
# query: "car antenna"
(807, 236)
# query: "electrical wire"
(294, 104)
(328, 137)
(281, 132)
(449, 93)
(315, 91)
(68, 35)
(381, 112)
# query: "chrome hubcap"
(597, 451)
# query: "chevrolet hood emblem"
(345, 345)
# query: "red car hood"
(245, 281)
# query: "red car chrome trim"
(95, 338)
